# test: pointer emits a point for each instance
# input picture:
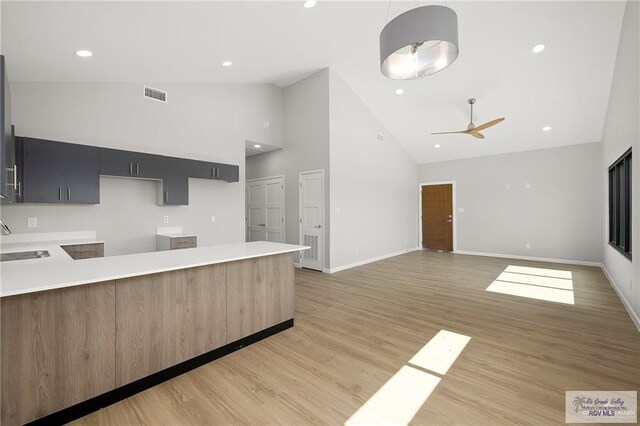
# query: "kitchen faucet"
(4, 228)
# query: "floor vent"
(155, 94)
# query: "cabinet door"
(44, 171)
(175, 183)
(8, 179)
(148, 166)
(228, 172)
(201, 169)
(83, 175)
(114, 162)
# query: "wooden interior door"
(437, 217)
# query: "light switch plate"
(460, 209)
(213, 218)
(528, 245)
(32, 222)
(527, 185)
(508, 186)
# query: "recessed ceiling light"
(257, 146)
(227, 63)
(399, 91)
(84, 53)
(538, 48)
(437, 145)
(546, 128)
(309, 4)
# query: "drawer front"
(85, 251)
(183, 242)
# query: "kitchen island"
(79, 335)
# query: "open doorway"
(438, 216)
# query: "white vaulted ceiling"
(566, 86)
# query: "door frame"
(324, 211)
(454, 210)
(246, 206)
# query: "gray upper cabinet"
(174, 189)
(218, 171)
(8, 169)
(115, 162)
(56, 172)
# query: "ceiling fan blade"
(476, 134)
(488, 124)
(449, 133)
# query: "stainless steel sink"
(23, 255)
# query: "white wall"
(621, 132)
(202, 121)
(373, 199)
(306, 147)
(560, 215)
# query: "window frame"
(620, 214)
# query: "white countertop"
(59, 270)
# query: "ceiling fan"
(472, 129)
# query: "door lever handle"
(262, 224)
(318, 226)
(448, 221)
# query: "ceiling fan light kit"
(419, 42)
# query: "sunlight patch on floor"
(402, 396)
(551, 285)
(398, 400)
(440, 353)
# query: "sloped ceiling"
(565, 87)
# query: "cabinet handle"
(137, 168)
(166, 197)
(19, 190)
(59, 193)
(69, 193)
(15, 177)
(130, 168)
(217, 172)
(212, 173)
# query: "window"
(620, 204)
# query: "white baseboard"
(371, 260)
(536, 259)
(634, 317)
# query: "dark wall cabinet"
(57, 172)
(114, 162)
(8, 171)
(174, 190)
(216, 171)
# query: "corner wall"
(621, 132)
(305, 147)
(560, 215)
(373, 199)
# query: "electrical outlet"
(528, 245)
(32, 222)
(165, 219)
(357, 250)
(213, 218)
(508, 186)
(267, 124)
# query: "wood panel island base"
(67, 352)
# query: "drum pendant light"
(419, 42)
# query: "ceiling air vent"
(380, 137)
(155, 94)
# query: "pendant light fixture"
(419, 42)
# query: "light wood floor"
(355, 329)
